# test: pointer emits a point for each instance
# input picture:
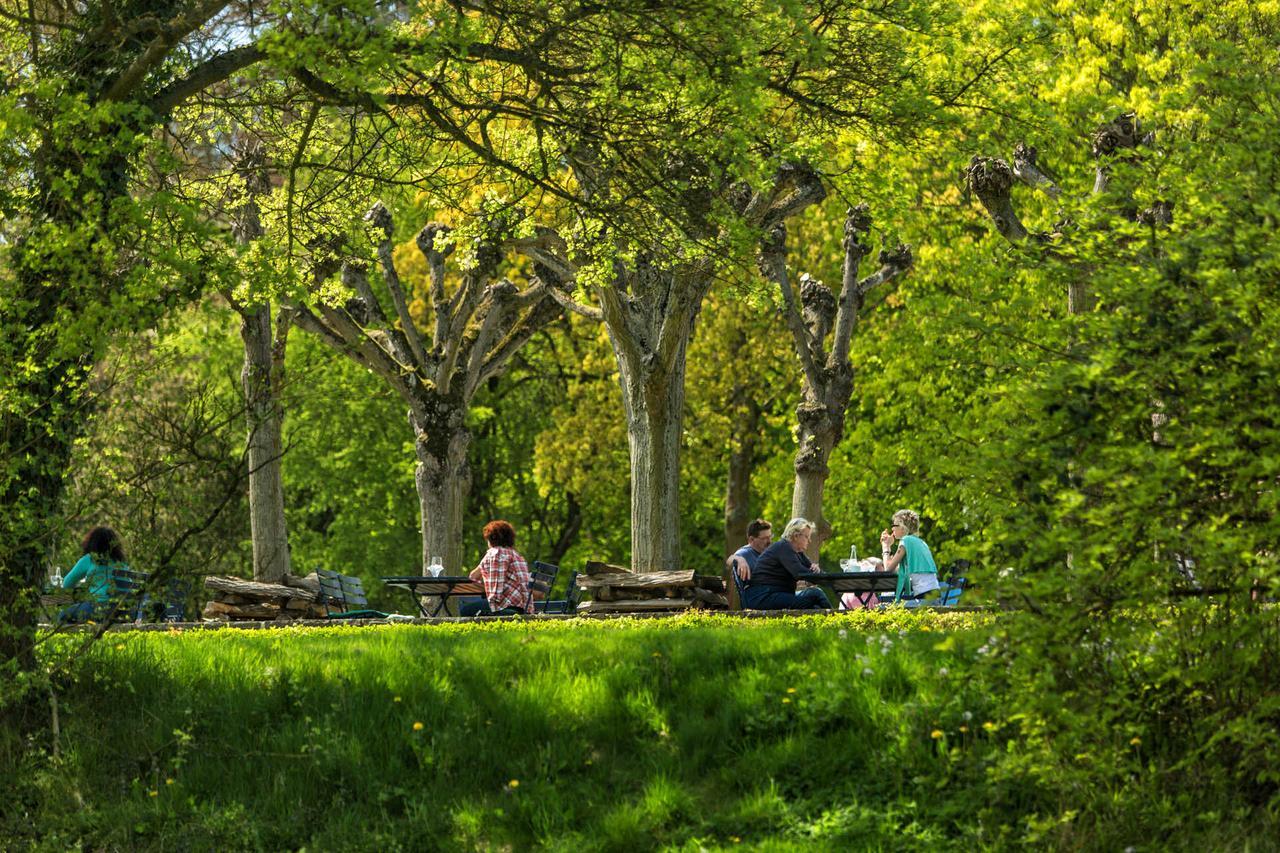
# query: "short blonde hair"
(795, 526)
(909, 519)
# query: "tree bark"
(262, 380)
(745, 414)
(443, 478)
(650, 347)
(265, 415)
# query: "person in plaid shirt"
(505, 576)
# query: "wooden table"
(444, 587)
(861, 584)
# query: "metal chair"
(343, 597)
(542, 577)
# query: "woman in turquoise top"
(102, 553)
(913, 561)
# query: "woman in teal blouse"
(913, 561)
(103, 553)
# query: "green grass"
(865, 731)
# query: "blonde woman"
(913, 561)
(773, 579)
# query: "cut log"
(652, 604)
(241, 611)
(715, 583)
(712, 599)
(252, 589)
(310, 583)
(595, 567)
(630, 580)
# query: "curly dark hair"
(102, 542)
(500, 534)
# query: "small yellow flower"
(791, 690)
(168, 781)
(119, 646)
(417, 727)
(988, 726)
(396, 699)
(1135, 741)
(657, 654)
(786, 701)
(964, 728)
(813, 675)
(153, 793)
(514, 783)
(936, 734)
(735, 839)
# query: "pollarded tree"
(475, 331)
(820, 319)
(649, 307)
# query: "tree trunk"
(654, 405)
(744, 436)
(653, 400)
(443, 478)
(821, 425)
(260, 378)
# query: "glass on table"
(436, 567)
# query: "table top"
(422, 583)
(855, 581)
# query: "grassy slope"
(576, 735)
(857, 732)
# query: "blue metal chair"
(568, 604)
(740, 587)
(542, 577)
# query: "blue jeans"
(78, 613)
(770, 598)
(480, 607)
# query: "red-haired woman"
(505, 576)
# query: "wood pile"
(237, 599)
(616, 589)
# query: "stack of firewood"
(616, 589)
(237, 599)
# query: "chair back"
(340, 592)
(951, 590)
(542, 576)
(174, 606)
(739, 586)
(129, 589)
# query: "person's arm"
(738, 563)
(475, 574)
(78, 572)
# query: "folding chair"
(343, 597)
(542, 576)
(129, 594)
(568, 604)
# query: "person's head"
(905, 523)
(798, 532)
(103, 544)
(759, 535)
(500, 534)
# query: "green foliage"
(866, 730)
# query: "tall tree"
(817, 320)
(475, 330)
(262, 379)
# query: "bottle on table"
(55, 579)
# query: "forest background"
(1074, 383)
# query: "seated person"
(913, 561)
(103, 554)
(759, 537)
(773, 580)
(505, 576)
